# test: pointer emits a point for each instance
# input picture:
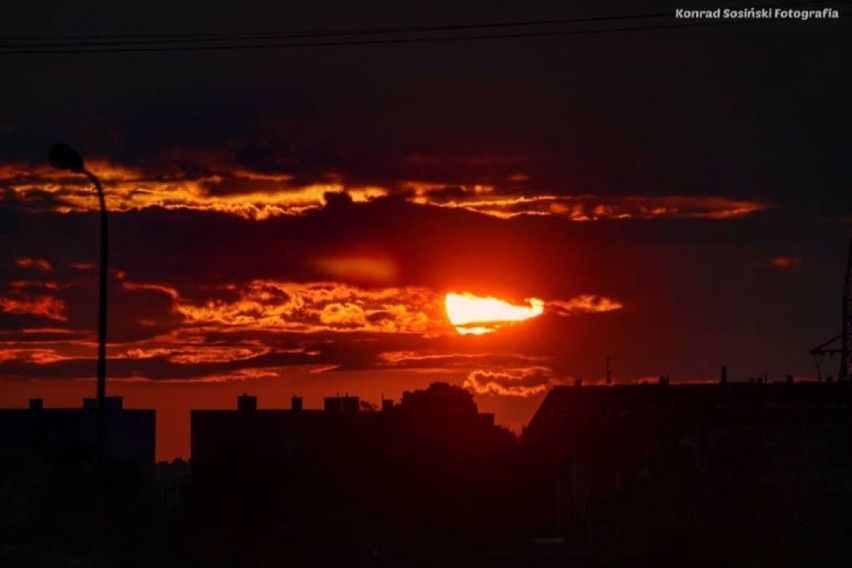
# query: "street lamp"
(64, 157)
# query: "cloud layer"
(522, 382)
(230, 188)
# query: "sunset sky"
(290, 221)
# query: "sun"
(475, 315)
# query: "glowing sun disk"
(476, 315)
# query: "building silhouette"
(341, 434)
(606, 473)
(730, 456)
(227, 444)
(348, 474)
(48, 456)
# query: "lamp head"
(64, 157)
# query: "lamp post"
(64, 157)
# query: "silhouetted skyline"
(423, 284)
(713, 474)
(293, 220)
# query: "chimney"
(246, 403)
(36, 404)
(387, 404)
(724, 377)
(296, 404)
(332, 404)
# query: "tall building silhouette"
(51, 452)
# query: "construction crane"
(839, 344)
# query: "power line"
(446, 39)
(68, 40)
(137, 38)
(225, 42)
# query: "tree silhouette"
(439, 400)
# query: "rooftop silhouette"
(601, 470)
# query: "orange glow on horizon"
(474, 315)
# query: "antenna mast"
(845, 336)
(847, 323)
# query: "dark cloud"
(670, 266)
(256, 149)
(698, 121)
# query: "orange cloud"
(484, 200)
(23, 284)
(247, 194)
(320, 306)
(444, 360)
(519, 382)
(587, 303)
(331, 306)
(168, 290)
(31, 331)
(43, 306)
(39, 356)
(235, 190)
(247, 374)
(190, 354)
(36, 263)
(343, 315)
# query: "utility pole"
(830, 347)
